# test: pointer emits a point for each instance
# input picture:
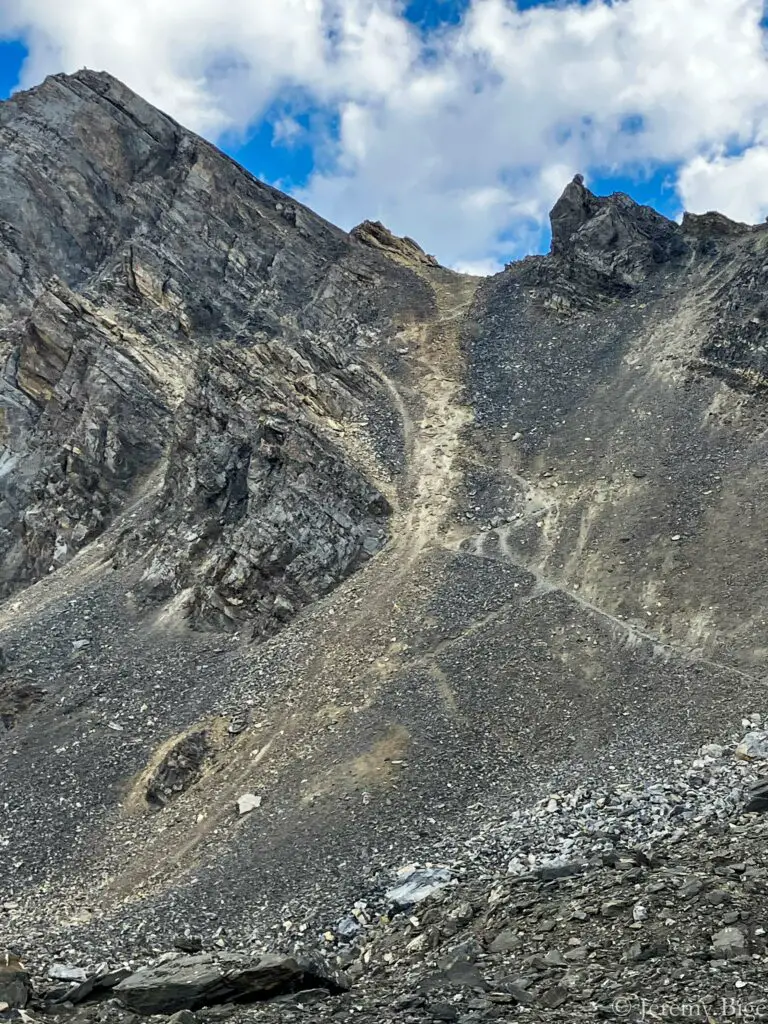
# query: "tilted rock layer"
(167, 316)
(299, 514)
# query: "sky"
(456, 122)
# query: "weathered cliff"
(172, 324)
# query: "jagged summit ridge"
(614, 221)
(615, 235)
(581, 218)
(605, 247)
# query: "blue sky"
(457, 122)
(12, 56)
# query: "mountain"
(299, 515)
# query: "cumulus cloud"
(460, 136)
(734, 185)
(216, 64)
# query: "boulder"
(15, 987)
(192, 982)
(100, 981)
(66, 972)
(348, 928)
(505, 941)
(728, 943)
(757, 797)
(754, 746)
(183, 1017)
(189, 943)
(416, 884)
(248, 802)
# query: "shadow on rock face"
(178, 770)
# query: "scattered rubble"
(588, 898)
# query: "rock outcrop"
(402, 250)
(603, 248)
(173, 327)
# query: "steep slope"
(297, 513)
(213, 343)
(626, 435)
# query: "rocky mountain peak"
(583, 222)
(573, 209)
(145, 281)
(403, 250)
(602, 246)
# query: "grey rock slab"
(554, 997)
(505, 942)
(461, 973)
(757, 797)
(753, 746)
(728, 942)
(549, 872)
(417, 884)
(348, 927)
(613, 908)
(103, 980)
(192, 982)
(444, 1012)
(518, 992)
(248, 802)
(307, 997)
(554, 958)
(65, 972)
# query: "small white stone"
(66, 972)
(713, 750)
(248, 802)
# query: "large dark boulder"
(190, 982)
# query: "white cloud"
(479, 268)
(461, 138)
(216, 64)
(287, 132)
(736, 186)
